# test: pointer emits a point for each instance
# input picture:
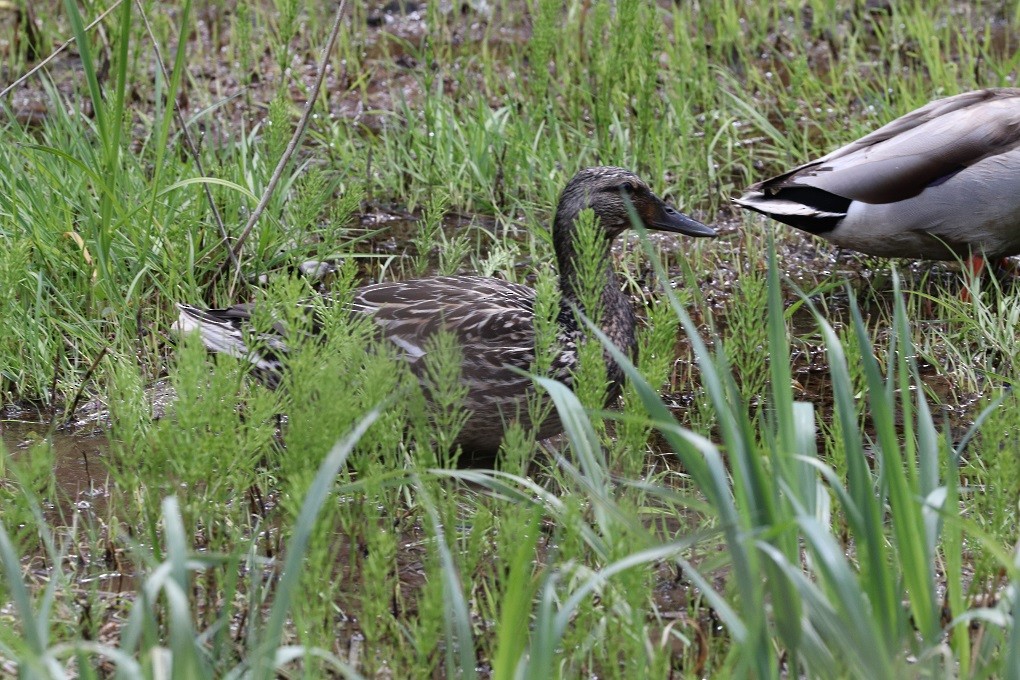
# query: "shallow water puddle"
(79, 469)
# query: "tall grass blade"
(31, 626)
(866, 510)
(186, 658)
(265, 654)
(585, 445)
(709, 473)
(517, 597)
(460, 648)
(88, 63)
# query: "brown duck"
(492, 319)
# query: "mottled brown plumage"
(492, 319)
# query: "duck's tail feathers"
(808, 209)
(222, 332)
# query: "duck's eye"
(627, 187)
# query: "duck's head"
(614, 195)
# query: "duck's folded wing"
(921, 149)
(491, 320)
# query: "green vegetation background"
(849, 513)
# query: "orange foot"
(975, 264)
(972, 268)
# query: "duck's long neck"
(615, 315)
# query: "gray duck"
(938, 183)
(492, 319)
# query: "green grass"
(831, 476)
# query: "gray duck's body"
(491, 319)
(938, 183)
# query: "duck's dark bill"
(669, 219)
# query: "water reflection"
(79, 468)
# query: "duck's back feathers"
(492, 321)
(482, 313)
(487, 317)
(947, 151)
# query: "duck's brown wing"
(492, 320)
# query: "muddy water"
(79, 467)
